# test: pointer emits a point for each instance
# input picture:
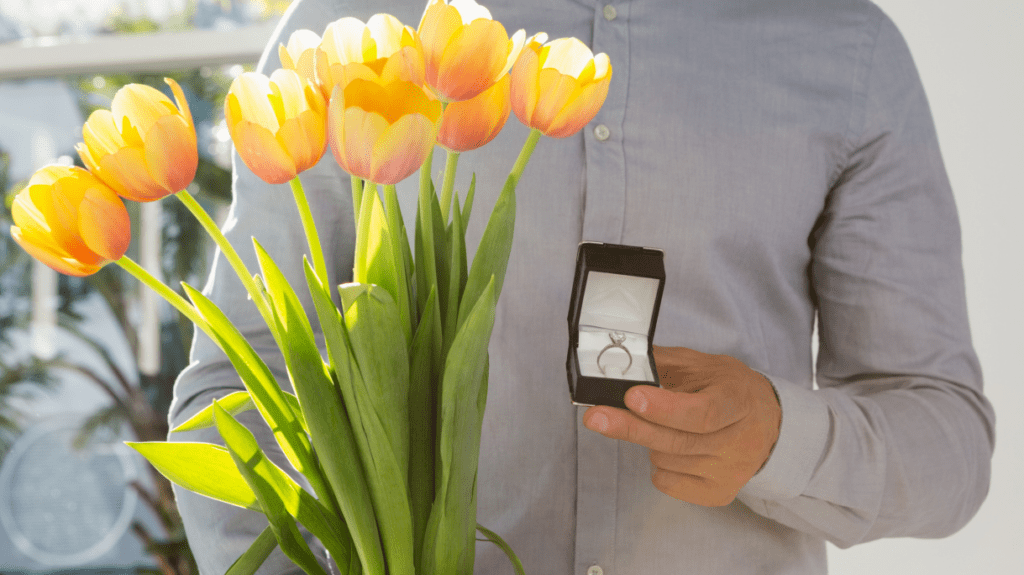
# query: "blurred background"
(73, 500)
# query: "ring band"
(617, 338)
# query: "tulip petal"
(50, 255)
(179, 97)
(402, 148)
(526, 85)
(58, 206)
(439, 24)
(100, 133)
(582, 108)
(473, 60)
(516, 44)
(262, 153)
(567, 55)
(171, 154)
(126, 172)
(142, 105)
(359, 130)
(471, 124)
(104, 224)
(252, 93)
(386, 31)
(556, 89)
(305, 138)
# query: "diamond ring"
(617, 338)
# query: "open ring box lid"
(616, 292)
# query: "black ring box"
(618, 289)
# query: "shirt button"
(595, 570)
(609, 12)
(601, 132)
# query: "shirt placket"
(603, 213)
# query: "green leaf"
(249, 561)
(277, 493)
(449, 535)
(233, 403)
(203, 468)
(376, 259)
(334, 439)
(492, 254)
(309, 375)
(381, 387)
(456, 263)
(467, 208)
(259, 382)
(400, 245)
(423, 378)
(497, 540)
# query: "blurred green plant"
(138, 401)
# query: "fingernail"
(638, 402)
(598, 423)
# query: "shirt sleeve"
(218, 533)
(897, 439)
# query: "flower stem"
(232, 256)
(172, 297)
(309, 226)
(524, 155)
(357, 198)
(451, 162)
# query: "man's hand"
(708, 431)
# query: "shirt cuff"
(802, 437)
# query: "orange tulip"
(299, 54)
(558, 87)
(466, 51)
(382, 133)
(278, 124)
(70, 220)
(143, 147)
(470, 124)
(382, 50)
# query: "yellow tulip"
(382, 50)
(278, 124)
(143, 147)
(470, 124)
(300, 53)
(70, 220)
(466, 51)
(382, 133)
(559, 87)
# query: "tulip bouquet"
(386, 428)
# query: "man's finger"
(707, 411)
(626, 426)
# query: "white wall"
(971, 59)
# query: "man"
(783, 156)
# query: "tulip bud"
(70, 220)
(559, 87)
(278, 124)
(466, 51)
(382, 133)
(143, 147)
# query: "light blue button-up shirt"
(782, 154)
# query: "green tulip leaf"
(249, 561)
(233, 403)
(492, 254)
(278, 494)
(333, 437)
(450, 531)
(259, 382)
(203, 468)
